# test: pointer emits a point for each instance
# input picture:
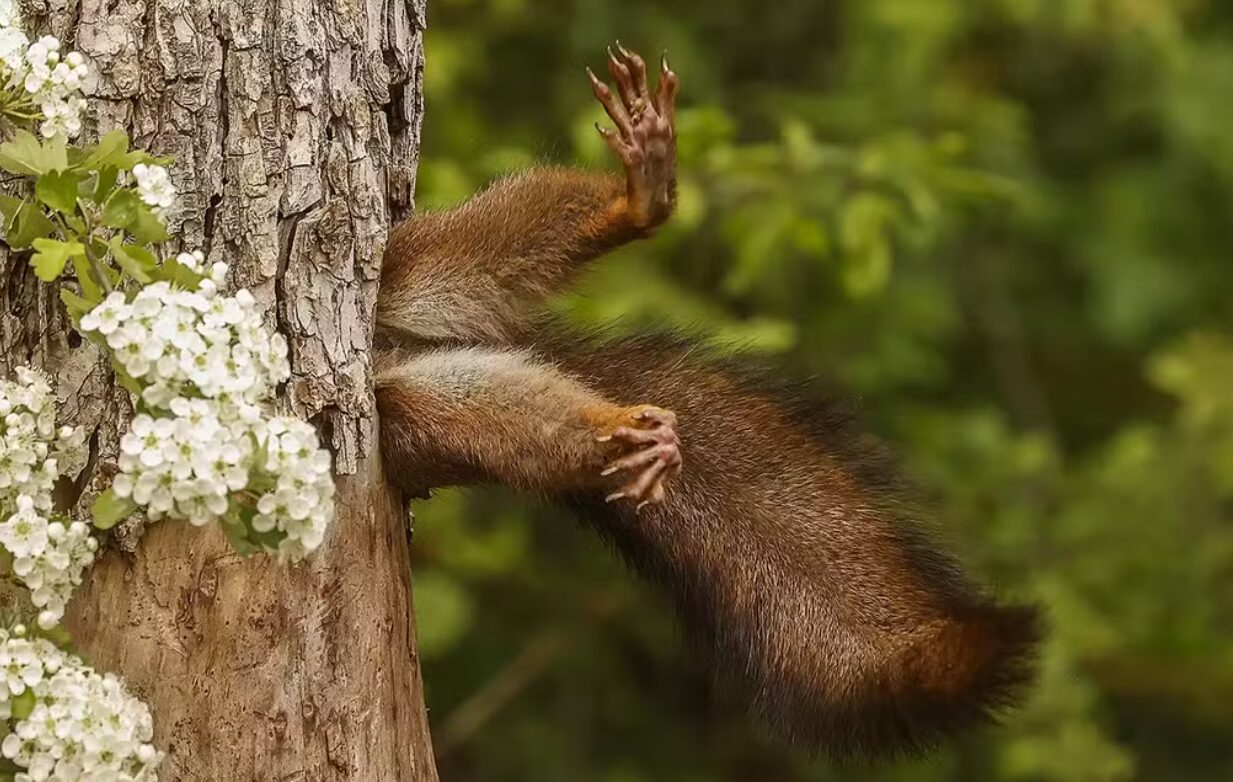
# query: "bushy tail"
(791, 559)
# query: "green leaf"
(137, 262)
(237, 534)
(126, 380)
(75, 224)
(178, 274)
(110, 510)
(28, 224)
(109, 152)
(23, 704)
(268, 540)
(22, 154)
(51, 255)
(9, 207)
(25, 154)
(121, 209)
(58, 189)
(57, 635)
(104, 183)
(147, 227)
(90, 287)
(76, 305)
(126, 162)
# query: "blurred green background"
(1006, 228)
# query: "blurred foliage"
(1005, 227)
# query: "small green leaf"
(268, 540)
(90, 287)
(110, 510)
(126, 162)
(178, 275)
(9, 207)
(75, 224)
(121, 209)
(23, 704)
(51, 255)
(126, 380)
(76, 305)
(147, 227)
(28, 224)
(237, 534)
(104, 183)
(137, 262)
(58, 189)
(24, 154)
(108, 152)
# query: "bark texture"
(295, 129)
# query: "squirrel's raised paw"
(652, 457)
(645, 135)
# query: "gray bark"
(295, 127)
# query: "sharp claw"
(622, 49)
(641, 505)
(608, 471)
(603, 132)
(663, 62)
(616, 495)
(607, 437)
(611, 56)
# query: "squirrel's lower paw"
(653, 454)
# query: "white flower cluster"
(155, 188)
(206, 450)
(63, 722)
(49, 553)
(10, 14)
(299, 501)
(52, 82)
(199, 343)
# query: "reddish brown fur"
(471, 414)
(784, 544)
(789, 553)
(476, 268)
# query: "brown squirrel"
(782, 544)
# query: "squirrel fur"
(773, 527)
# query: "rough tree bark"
(295, 127)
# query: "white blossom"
(191, 344)
(82, 726)
(204, 449)
(49, 552)
(50, 80)
(300, 502)
(154, 187)
(13, 43)
(10, 14)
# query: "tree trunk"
(294, 125)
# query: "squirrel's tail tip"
(962, 672)
(979, 660)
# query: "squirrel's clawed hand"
(645, 135)
(654, 454)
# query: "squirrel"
(776, 533)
